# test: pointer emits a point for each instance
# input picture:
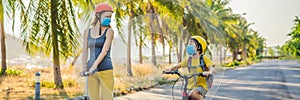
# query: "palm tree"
(261, 45)
(132, 11)
(49, 27)
(154, 10)
(253, 44)
(291, 47)
(172, 29)
(2, 34)
(225, 17)
(236, 32)
(196, 19)
(10, 6)
(151, 14)
(156, 24)
(139, 31)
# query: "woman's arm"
(84, 51)
(107, 45)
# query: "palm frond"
(39, 34)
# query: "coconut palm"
(132, 10)
(49, 27)
(226, 18)
(292, 46)
(9, 7)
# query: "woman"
(97, 44)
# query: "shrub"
(12, 72)
(48, 84)
(69, 83)
(143, 69)
(233, 64)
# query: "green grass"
(12, 72)
(246, 62)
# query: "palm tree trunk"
(220, 52)
(151, 17)
(178, 56)
(56, 63)
(181, 41)
(170, 55)
(180, 48)
(153, 57)
(169, 41)
(225, 54)
(141, 50)
(234, 55)
(161, 34)
(3, 48)
(129, 45)
(245, 53)
(186, 42)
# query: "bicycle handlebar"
(179, 74)
(172, 72)
(84, 74)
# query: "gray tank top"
(96, 45)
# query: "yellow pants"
(101, 85)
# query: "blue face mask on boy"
(190, 50)
(105, 21)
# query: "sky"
(273, 18)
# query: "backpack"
(209, 79)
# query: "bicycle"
(85, 95)
(185, 78)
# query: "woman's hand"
(82, 73)
(92, 70)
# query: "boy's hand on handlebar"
(206, 73)
(168, 70)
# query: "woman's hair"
(95, 20)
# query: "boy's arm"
(179, 65)
(175, 67)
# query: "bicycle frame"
(185, 78)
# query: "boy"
(198, 64)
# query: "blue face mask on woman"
(190, 50)
(105, 21)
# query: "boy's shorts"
(200, 89)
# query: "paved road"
(268, 80)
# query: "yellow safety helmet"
(201, 41)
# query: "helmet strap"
(99, 19)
